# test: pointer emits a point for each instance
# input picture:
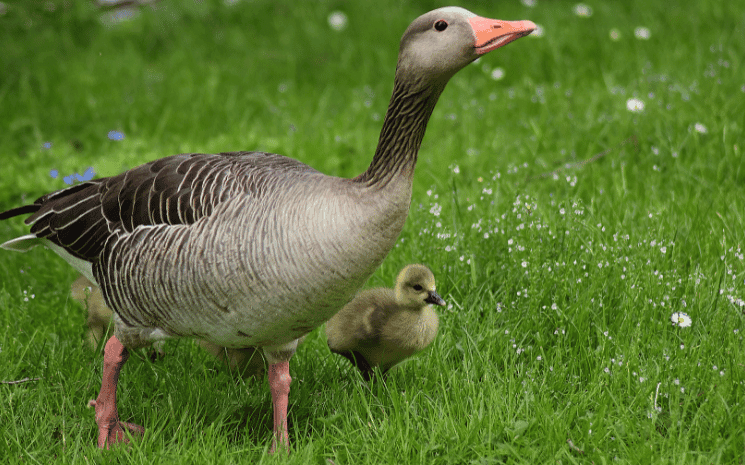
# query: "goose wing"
(179, 189)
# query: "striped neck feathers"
(403, 129)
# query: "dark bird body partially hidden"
(251, 249)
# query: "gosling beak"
(434, 298)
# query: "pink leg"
(110, 429)
(279, 382)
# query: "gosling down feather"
(251, 249)
(100, 317)
(381, 327)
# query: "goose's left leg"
(279, 383)
(110, 429)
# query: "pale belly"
(259, 282)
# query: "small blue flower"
(47, 145)
(88, 175)
(116, 135)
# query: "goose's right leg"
(110, 429)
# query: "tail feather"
(24, 210)
(23, 243)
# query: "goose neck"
(403, 129)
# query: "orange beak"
(494, 33)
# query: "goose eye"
(441, 25)
(417, 287)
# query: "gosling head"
(415, 287)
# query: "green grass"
(563, 229)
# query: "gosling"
(99, 315)
(381, 327)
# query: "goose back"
(178, 189)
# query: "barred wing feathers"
(176, 190)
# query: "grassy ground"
(563, 228)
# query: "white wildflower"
(681, 319)
(642, 33)
(338, 21)
(635, 105)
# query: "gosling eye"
(417, 287)
(441, 25)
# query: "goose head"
(415, 287)
(434, 47)
(440, 43)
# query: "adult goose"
(251, 249)
(381, 327)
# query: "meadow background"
(574, 190)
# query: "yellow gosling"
(381, 327)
